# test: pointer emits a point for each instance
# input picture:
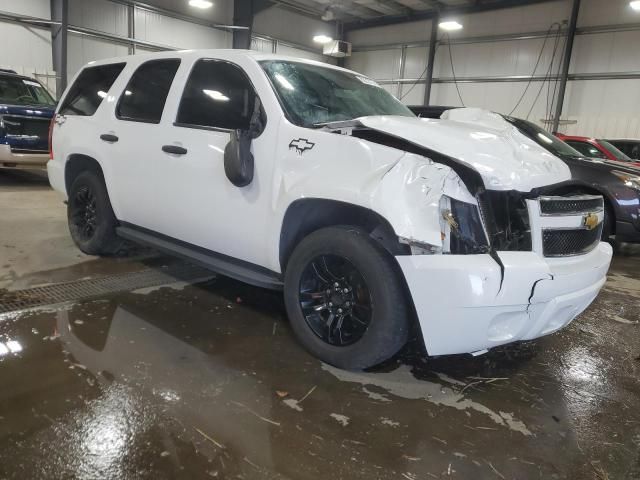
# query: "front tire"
(345, 299)
(91, 220)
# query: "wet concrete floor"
(206, 381)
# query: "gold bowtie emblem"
(590, 221)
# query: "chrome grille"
(566, 226)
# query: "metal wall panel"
(83, 50)
(26, 50)
(297, 52)
(33, 8)
(153, 27)
(100, 15)
(378, 64)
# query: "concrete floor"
(207, 381)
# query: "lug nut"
(336, 284)
(339, 310)
(330, 304)
(346, 290)
(347, 304)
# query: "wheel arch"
(306, 215)
(76, 164)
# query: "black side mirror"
(238, 159)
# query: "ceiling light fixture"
(635, 5)
(322, 39)
(201, 3)
(450, 25)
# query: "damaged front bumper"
(465, 303)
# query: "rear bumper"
(463, 306)
(9, 159)
(55, 171)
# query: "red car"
(594, 148)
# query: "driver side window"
(217, 95)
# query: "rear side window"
(89, 89)
(144, 97)
(218, 95)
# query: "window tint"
(217, 94)
(146, 93)
(91, 86)
(586, 149)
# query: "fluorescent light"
(216, 95)
(127, 92)
(3, 349)
(102, 94)
(635, 5)
(201, 3)
(322, 39)
(450, 25)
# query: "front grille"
(561, 243)
(26, 127)
(571, 205)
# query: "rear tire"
(345, 299)
(91, 220)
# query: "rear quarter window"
(89, 89)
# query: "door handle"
(107, 137)
(174, 149)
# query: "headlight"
(462, 230)
(630, 180)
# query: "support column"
(433, 43)
(59, 32)
(242, 17)
(131, 24)
(575, 9)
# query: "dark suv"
(26, 109)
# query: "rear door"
(132, 140)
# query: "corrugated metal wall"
(607, 108)
(30, 47)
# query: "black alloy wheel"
(84, 213)
(335, 300)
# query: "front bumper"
(9, 159)
(465, 305)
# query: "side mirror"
(238, 159)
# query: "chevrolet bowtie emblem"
(301, 145)
(590, 221)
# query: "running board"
(227, 266)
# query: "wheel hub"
(335, 300)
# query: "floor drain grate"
(82, 289)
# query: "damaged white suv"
(296, 175)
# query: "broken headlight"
(461, 226)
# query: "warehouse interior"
(145, 365)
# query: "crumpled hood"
(505, 158)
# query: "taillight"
(51, 124)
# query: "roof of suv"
(214, 53)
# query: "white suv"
(296, 175)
